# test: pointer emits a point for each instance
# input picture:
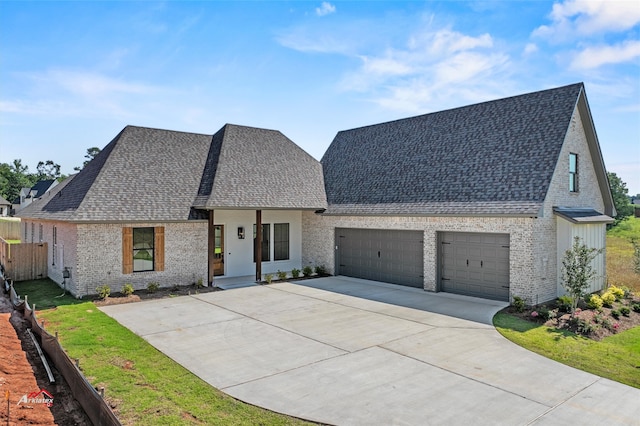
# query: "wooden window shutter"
(158, 248)
(127, 250)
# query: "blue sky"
(73, 74)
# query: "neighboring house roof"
(155, 175)
(495, 157)
(4, 202)
(41, 187)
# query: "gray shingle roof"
(496, 157)
(258, 168)
(582, 215)
(155, 175)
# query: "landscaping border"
(91, 401)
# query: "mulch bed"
(593, 324)
(161, 293)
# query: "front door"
(218, 253)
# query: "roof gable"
(251, 168)
(502, 151)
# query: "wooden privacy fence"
(24, 261)
(10, 229)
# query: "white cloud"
(596, 56)
(587, 17)
(530, 48)
(325, 8)
(429, 70)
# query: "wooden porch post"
(258, 247)
(211, 248)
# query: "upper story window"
(573, 172)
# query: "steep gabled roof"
(155, 175)
(4, 202)
(41, 187)
(259, 169)
(495, 157)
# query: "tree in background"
(14, 177)
(621, 201)
(90, 155)
(48, 170)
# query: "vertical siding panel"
(127, 250)
(158, 248)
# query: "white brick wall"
(100, 256)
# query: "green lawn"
(147, 387)
(620, 254)
(616, 357)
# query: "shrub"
(624, 310)
(152, 287)
(103, 291)
(127, 289)
(282, 275)
(615, 313)
(321, 270)
(616, 291)
(518, 304)
(544, 314)
(577, 271)
(200, 283)
(608, 298)
(594, 302)
(636, 307)
(565, 303)
(295, 273)
(307, 271)
(583, 326)
(268, 278)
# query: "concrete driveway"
(346, 351)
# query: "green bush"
(624, 310)
(594, 302)
(307, 271)
(565, 303)
(268, 278)
(295, 273)
(608, 298)
(103, 291)
(152, 287)
(583, 326)
(544, 314)
(617, 292)
(636, 307)
(282, 275)
(321, 270)
(127, 289)
(615, 313)
(200, 283)
(518, 304)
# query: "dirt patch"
(22, 373)
(594, 324)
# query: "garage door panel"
(475, 264)
(390, 255)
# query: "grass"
(44, 294)
(616, 357)
(147, 387)
(620, 254)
